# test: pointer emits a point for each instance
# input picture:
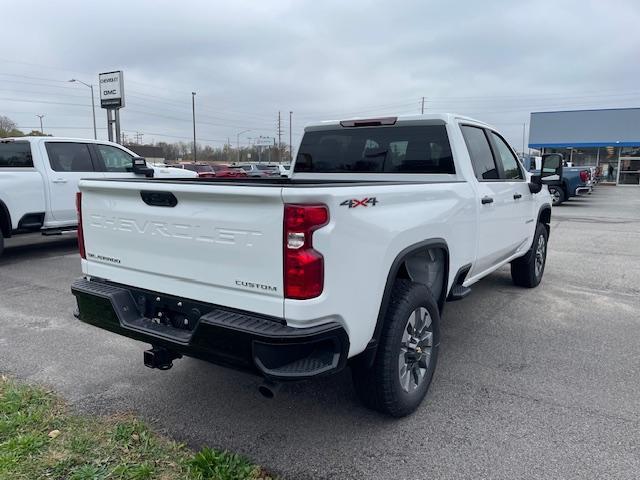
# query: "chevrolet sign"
(111, 89)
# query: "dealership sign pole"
(264, 142)
(112, 99)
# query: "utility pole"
(40, 117)
(524, 127)
(139, 138)
(279, 136)
(290, 138)
(422, 105)
(193, 110)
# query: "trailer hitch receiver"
(160, 358)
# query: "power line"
(154, 114)
(32, 92)
(31, 78)
(21, 82)
(46, 101)
(50, 67)
(68, 127)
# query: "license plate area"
(168, 311)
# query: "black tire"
(527, 271)
(557, 196)
(379, 387)
(1, 242)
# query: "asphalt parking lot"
(541, 383)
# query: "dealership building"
(608, 139)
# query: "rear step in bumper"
(264, 345)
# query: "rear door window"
(410, 149)
(484, 164)
(15, 155)
(69, 157)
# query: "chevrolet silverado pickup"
(348, 261)
(39, 180)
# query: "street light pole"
(193, 110)
(93, 106)
(41, 129)
(238, 144)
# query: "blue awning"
(585, 145)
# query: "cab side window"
(482, 159)
(510, 164)
(114, 159)
(69, 157)
(15, 155)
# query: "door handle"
(486, 200)
(59, 180)
(516, 196)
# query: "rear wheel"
(407, 353)
(527, 271)
(557, 195)
(1, 242)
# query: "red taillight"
(584, 176)
(303, 266)
(80, 232)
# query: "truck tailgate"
(220, 244)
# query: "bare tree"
(6, 124)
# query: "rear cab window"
(15, 155)
(419, 149)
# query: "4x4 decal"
(365, 202)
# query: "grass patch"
(40, 438)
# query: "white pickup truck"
(351, 259)
(39, 180)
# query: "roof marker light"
(369, 122)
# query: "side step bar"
(458, 291)
(57, 231)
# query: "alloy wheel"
(415, 350)
(541, 251)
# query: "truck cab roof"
(397, 119)
(40, 138)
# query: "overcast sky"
(495, 60)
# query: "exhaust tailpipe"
(269, 389)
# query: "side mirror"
(551, 171)
(535, 185)
(140, 167)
